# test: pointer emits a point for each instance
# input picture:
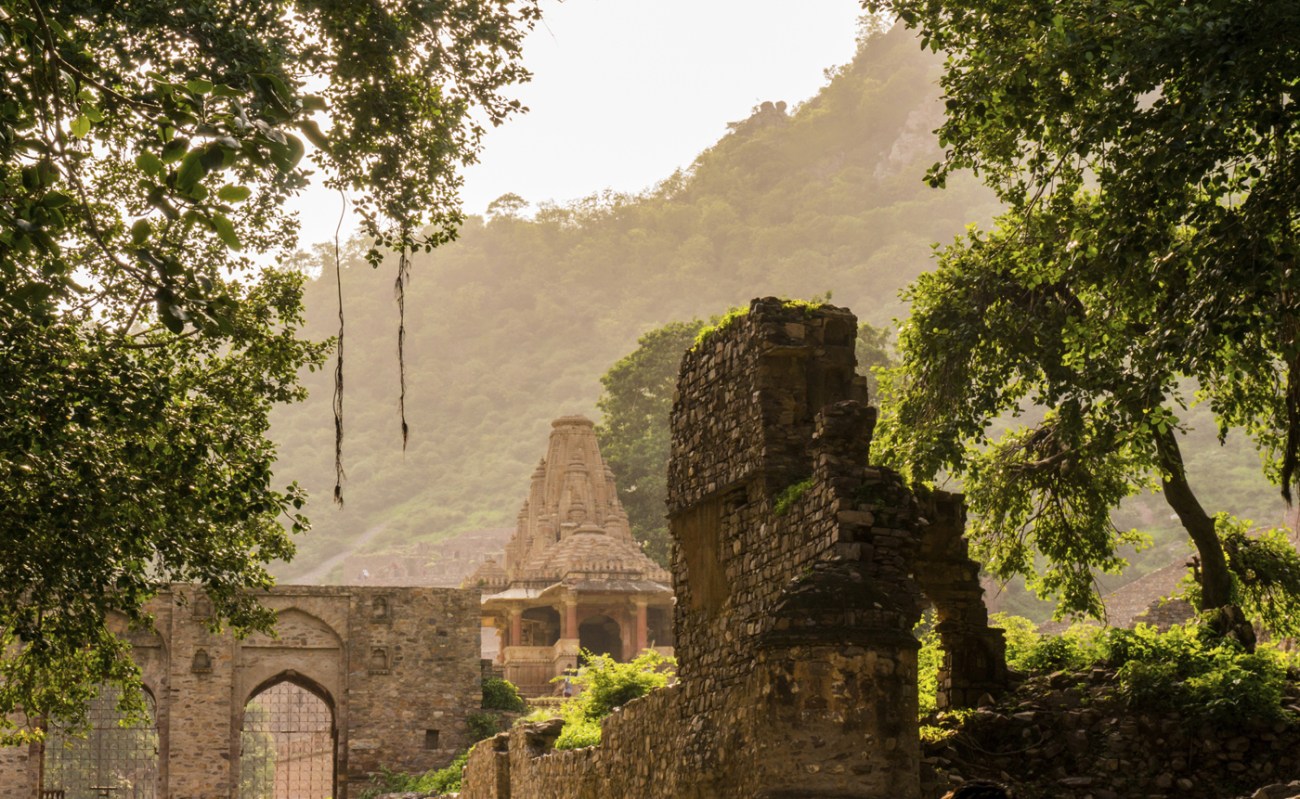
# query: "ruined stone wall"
(1066, 738)
(792, 567)
(398, 667)
(793, 622)
(413, 716)
(637, 758)
(18, 771)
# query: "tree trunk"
(1216, 582)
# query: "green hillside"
(513, 324)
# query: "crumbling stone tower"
(794, 565)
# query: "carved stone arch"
(299, 628)
(308, 648)
(293, 677)
(974, 654)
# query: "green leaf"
(140, 232)
(226, 230)
(192, 170)
(296, 150)
(54, 199)
(314, 135)
(80, 126)
(199, 86)
(170, 316)
(233, 194)
(174, 150)
(149, 163)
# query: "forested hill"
(513, 324)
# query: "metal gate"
(286, 745)
(111, 761)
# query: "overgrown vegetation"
(1120, 287)
(147, 150)
(1265, 569)
(501, 694)
(603, 685)
(1189, 669)
(792, 494)
(719, 323)
(438, 781)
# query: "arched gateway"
(356, 678)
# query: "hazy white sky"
(626, 91)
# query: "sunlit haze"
(624, 92)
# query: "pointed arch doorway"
(287, 743)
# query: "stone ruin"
(356, 678)
(799, 568)
(800, 571)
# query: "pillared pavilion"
(573, 577)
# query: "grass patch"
(790, 496)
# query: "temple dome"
(589, 550)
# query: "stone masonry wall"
(792, 566)
(398, 667)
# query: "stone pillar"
(642, 629)
(570, 619)
(516, 627)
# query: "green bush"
(578, 733)
(483, 725)
(1189, 670)
(499, 694)
(605, 684)
(444, 780)
(1029, 651)
(790, 496)
(1020, 634)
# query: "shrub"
(444, 780)
(483, 725)
(605, 684)
(790, 496)
(1021, 636)
(1027, 650)
(578, 734)
(1189, 670)
(499, 694)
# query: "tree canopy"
(634, 433)
(1145, 150)
(146, 151)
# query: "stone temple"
(573, 577)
